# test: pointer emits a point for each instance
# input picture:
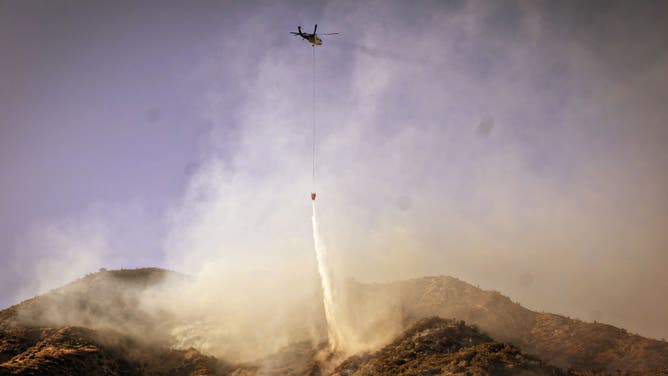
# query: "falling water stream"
(327, 286)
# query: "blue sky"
(178, 135)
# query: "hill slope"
(83, 351)
(435, 346)
(565, 342)
(107, 299)
(96, 326)
(99, 324)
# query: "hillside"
(103, 299)
(96, 326)
(435, 346)
(99, 324)
(567, 343)
(83, 351)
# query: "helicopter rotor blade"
(315, 28)
(329, 34)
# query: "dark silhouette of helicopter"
(314, 38)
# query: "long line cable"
(313, 119)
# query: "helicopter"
(313, 38)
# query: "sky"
(517, 145)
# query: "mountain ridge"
(100, 324)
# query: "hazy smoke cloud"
(537, 196)
(57, 251)
(56, 254)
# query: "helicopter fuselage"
(313, 39)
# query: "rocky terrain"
(82, 351)
(100, 325)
